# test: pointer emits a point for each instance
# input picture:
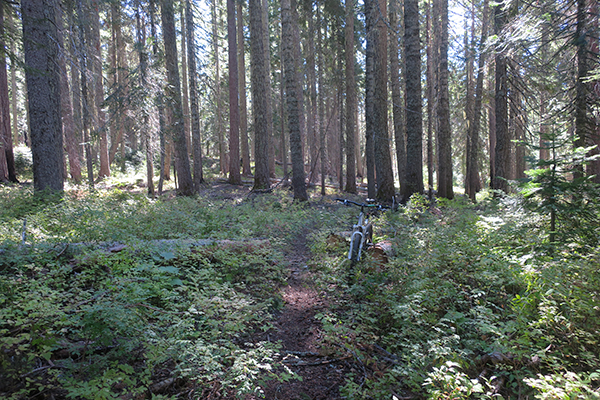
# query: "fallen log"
(381, 252)
(162, 245)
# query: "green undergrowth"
(110, 295)
(473, 303)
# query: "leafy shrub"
(111, 322)
(464, 289)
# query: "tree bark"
(260, 92)
(473, 179)
(383, 160)
(173, 95)
(321, 127)
(283, 113)
(98, 87)
(7, 160)
(40, 45)
(300, 76)
(223, 164)
(81, 89)
(491, 113)
(145, 132)
(414, 106)
(184, 82)
(445, 183)
(351, 102)
(68, 122)
(582, 122)
(397, 106)
(269, 89)
(120, 86)
(312, 112)
(293, 110)
(370, 120)
(593, 168)
(469, 43)
(430, 94)
(195, 113)
(13, 79)
(502, 149)
(234, 116)
(246, 171)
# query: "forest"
(170, 183)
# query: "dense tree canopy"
(536, 71)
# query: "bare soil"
(300, 333)
(296, 327)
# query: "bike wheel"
(355, 248)
(369, 234)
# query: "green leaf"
(167, 255)
(169, 270)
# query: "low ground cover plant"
(107, 294)
(472, 305)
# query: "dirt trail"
(300, 334)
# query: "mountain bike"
(362, 231)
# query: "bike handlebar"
(378, 206)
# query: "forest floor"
(270, 307)
(295, 326)
(300, 332)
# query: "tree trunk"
(469, 84)
(582, 123)
(431, 99)
(474, 182)
(145, 132)
(173, 93)
(502, 149)
(68, 123)
(299, 76)
(260, 92)
(246, 171)
(268, 93)
(98, 87)
(492, 121)
(283, 113)
(223, 165)
(234, 116)
(593, 168)
(397, 106)
(312, 117)
(414, 118)
(13, 81)
(40, 47)
(184, 82)
(342, 123)
(293, 110)
(351, 102)
(321, 127)
(7, 160)
(383, 160)
(159, 101)
(121, 86)
(195, 113)
(519, 132)
(80, 89)
(370, 120)
(445, 183)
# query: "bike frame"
(361, 230)
(358, 230)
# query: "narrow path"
(300, 334)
